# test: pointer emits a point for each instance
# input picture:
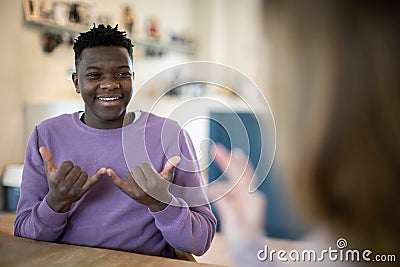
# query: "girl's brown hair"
(336, 97)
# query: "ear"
(75, 81)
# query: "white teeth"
(108, 98)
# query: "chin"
(111, 116)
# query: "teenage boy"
(134, 213)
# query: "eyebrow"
(92, 67)
(124, 67)
(98, 68)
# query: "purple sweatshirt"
(105, 216)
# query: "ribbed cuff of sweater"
(50, 217)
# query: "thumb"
(168, 172)
(49, 166)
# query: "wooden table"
(7, 223)
(16, 251)
(21, 252)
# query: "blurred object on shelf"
(154, 48)
(181, 38)
(57, 18)
(51, 41)
(74, 15)
(61, 12)
(46, 11)
(174, 88)
(87, 12)
(31, 8)
(153, 30)
(129, 19)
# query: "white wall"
(228, 32)
(11, 118)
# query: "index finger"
(121, 184)
(222, 156)
(234, 164)
(93, 180)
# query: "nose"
(109, 84)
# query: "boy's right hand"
(67, 183)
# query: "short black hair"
(101, 36)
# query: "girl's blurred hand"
(242, 213)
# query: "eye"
(124, 74)
(93, 75)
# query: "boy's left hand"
(146, 186)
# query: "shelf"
(75, 28)
(34, 17)
(172, 47)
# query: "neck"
(124, 119)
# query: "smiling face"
(104, 79)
